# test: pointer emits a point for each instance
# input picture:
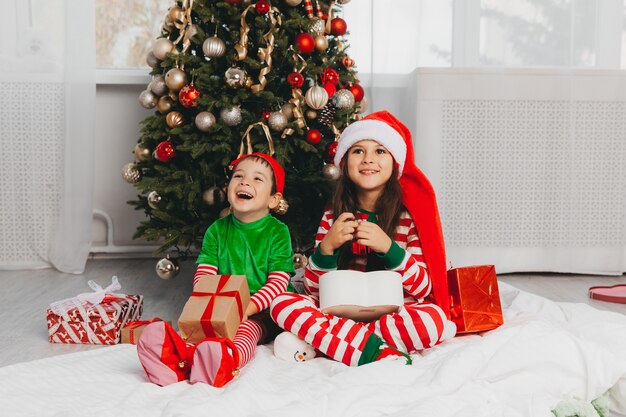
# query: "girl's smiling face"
(369, 165)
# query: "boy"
(248, 241)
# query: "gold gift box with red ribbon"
(215, 308)
(474, 298)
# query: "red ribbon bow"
(205, 320)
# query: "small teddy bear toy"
(288, 347)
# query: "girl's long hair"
(388, 209)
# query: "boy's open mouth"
(244, 195)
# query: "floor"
(25, 296)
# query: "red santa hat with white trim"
(418, 195)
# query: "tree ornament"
(321, 43)
(158, 86)
(343, 99)
(130, 173)
(204, 121)
(343, 1)
(236, 77)
(311, 114)
(331, 150)
(318, 27)
(167, 268)
(287, 110)
(213, 195)
(357, 91)
(153, 200)
(174, 119)
(165, 151)
(330, 75)
(175, 79)
(265, 114)
(330, 88)
(262, 7)
(300, 260)
(316, 97)
(305, 43)
(313, 136)
(326, 116)
(277, 121)
(188, 96)
(363, 105)
(331, 171)
(165, 104)
(293, 3)
(148, 99)
(348, 62)
(295, 79)
(213, 47)
(231, 117)
(141, 153)
(151, 60)
(282, 207)
(338, 27)
(162, 47)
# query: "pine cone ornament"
(326, 116)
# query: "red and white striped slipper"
(163, 354)
(215, 362)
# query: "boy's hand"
(251, 310)
(371, 235)
(340, 232)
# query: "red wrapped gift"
(94, 318)
(132, 330)
(215, 308)
(474, 298)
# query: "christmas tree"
(232, 77)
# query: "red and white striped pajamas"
(250, 332)
(417, 326)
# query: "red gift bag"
(474, 298)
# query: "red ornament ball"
(331, 151)
(357, 92)
(313, 136)
(262, 6)
(188, 96)
(305, 43)
(295, 80)
(348, 62)
(330, 89)
(338, 27)
(265, 115)
(330, 76)
(164, 151)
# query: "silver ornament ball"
(175, 79)
(158, 86)
(167, 268)
(162, 47)
(231, 117)
(235, 77)
(317, 27)
(331, 171)
(213, 47)
(343, 99)
(130, 173)
(154, 199)
(287, 110)
(277, 121)
(293, 3)
(152, 60)
(148, 99)
(204, 121)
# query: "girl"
(384, 216)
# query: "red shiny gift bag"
(474, 298)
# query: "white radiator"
(529, 166)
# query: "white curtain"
(47, 110)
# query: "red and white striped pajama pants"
(415, 327)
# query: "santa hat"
(418, 195)
(279, 172)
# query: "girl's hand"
(371, 235)
(340, 232)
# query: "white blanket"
(544, 353)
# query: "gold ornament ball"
(231, 117)
(152, 60)
(300, 260)
(167, 268)
(287, 110)
(321, 43)
(277, 121)
(162, 47)
(165, 104)
(148, 99)
(204, 121)
(318, 27)
(175, 79)
(311, 114)
(213, 195)
(141, 153)
(130, 173)
(174, 119)
(331, 171)
(154, 199)
(176, 15)
(213, 47)
(282, 207)
(235, 77)
(316, 97)
(158, 86)
(363, 106)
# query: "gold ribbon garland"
(265, 54)
(330, 16)
(185, 27)
(241, 48)
(246, 142)
(296, 96)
